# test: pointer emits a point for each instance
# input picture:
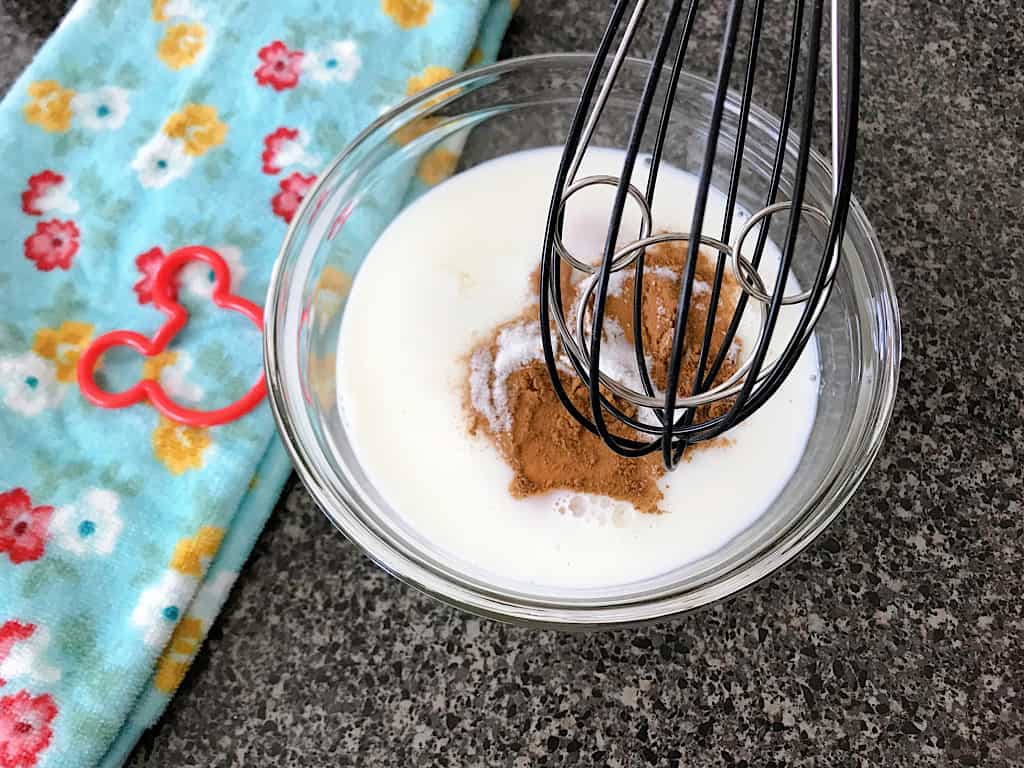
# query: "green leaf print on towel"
(46, 572)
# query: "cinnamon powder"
(511, 402)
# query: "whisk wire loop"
(664, 419)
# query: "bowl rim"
(337, 504)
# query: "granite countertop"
(895, 639)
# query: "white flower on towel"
(104, 109)
(26, 655)
(197, 277)
(285, 147)
(48, 192)
(171, 10)
(161, 605)
(211, 596)
(337, 62)
(91, 525)
(29, 384)
(160, 161)
(171, 369)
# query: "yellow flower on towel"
(170, 370)
(63, 346)
(408, 13)
(198, 126)
(331, 288)
(153, 366)
(476, 56)
(414, 130)
(50, 106)
(193, 553)
(334, 280)
(181, 45)
(428, 77)
(437, 165)
(160, 10)
(321, 378)
(180, 448)
(329, 294)
(188, 635)
(178, 654)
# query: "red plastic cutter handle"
(177, 317)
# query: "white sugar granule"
(517, 345)
(618, 357)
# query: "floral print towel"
(143, 126)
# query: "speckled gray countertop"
(896, 639)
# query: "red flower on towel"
(280, 68)
(52, 245)
(23, 528)
(148, 263)
(293, 188)
(33, 199)
(25, 728)
(274, 143)
(10, 633)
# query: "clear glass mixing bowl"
(522, 104)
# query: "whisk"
(679, 421)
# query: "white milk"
(451, 267)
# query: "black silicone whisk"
(676, 423)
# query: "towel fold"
(139, 128)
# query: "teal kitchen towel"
(140, 127)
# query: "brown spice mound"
(546, 448)
(549, 450)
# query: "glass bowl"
(526, 103)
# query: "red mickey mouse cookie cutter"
(177, 317)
